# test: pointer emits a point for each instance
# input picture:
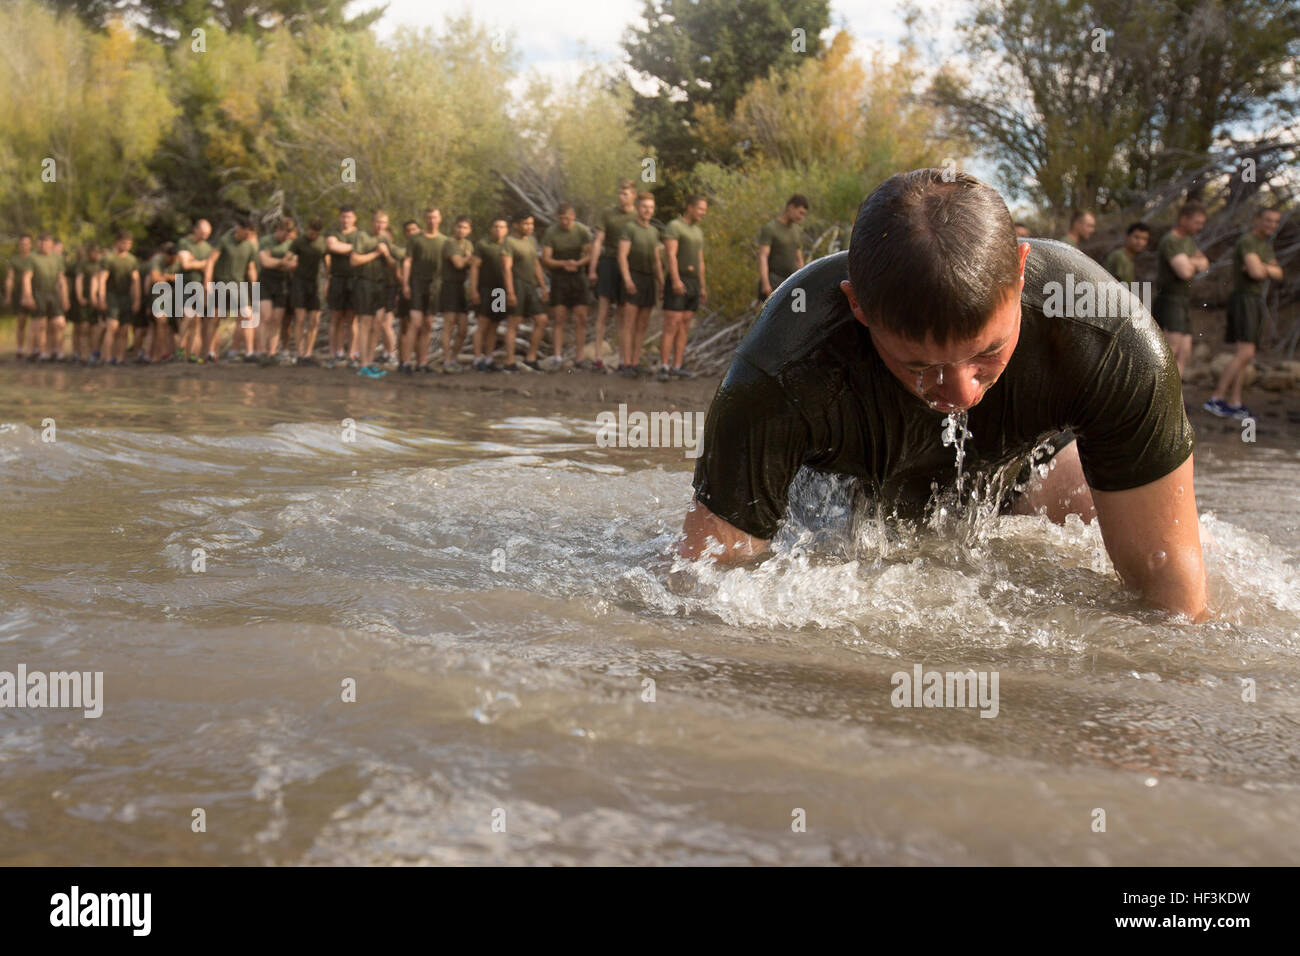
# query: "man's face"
(202, 229)
(25, 245)
(645, 209)
(412, 229)
(462, 230)
(951, 377)
(498, 230)
(697, 212)
(1267, 223)
(525, 226)
(379, 224)
(795, 214)
(1191, 225)
(432, 220)
(1137, 240)
(565, 219)
(45, 246)
(312, 234)
(124, 245)
(626, 198)
(347, 220)
(1086, 226)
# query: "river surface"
(536, 683)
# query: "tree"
(169, 21)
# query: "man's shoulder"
(1063, 283)
(801, 316)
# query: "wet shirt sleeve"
(755, 441)
(1130, 421)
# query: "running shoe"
(1239, 412)
(450, 368)
(663, 374)
(627, 371)
(681, 373)
(1218, 407)
(533, 364)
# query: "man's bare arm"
(702, 524)
(1152, 534)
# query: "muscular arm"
(763, 253)
(702, 524)
(1153, 537)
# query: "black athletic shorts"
(609, 282)
(305, 294)
(119, 306)
(48, 305)
(688, 301)
(342, 297)
(528, 300)
(569, 289)
(274, 288)
(644, 297)
(776, 281)
(452, 297)
(367, 296)
(1173, 313)
(403, 307)
(423, 298)
(1245, 318)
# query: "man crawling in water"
(936, 310)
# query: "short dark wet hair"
(798, 200)
(933, 255)
(1138, 226)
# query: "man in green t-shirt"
(309, 252)
(1082, 225)
(686, 290)
(1254, 263)
(235, 264)
(527, 298)
(119, 278)
(642, 270)
(490, 289)
(421, 273)
(1177, 260)
(780, 246)
(339, 291)
(90, 304)
(195, 256)
(19, 266)
(45, 296)
(567, 249)
(275, 264)
(453, 297)
(1121, 262)
(371, 258)
(602, 271)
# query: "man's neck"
(1263, 236)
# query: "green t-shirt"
(524, 253)
(1241, 280)
(199, 250)
(645, 246)
(119, 269)
(1120, 265)
(274, 249)
(612, 221)
(340, 265)
(46, 270)
(492, 256)
(566, 243)
(807, 388)
(377, 269)
(1069, 240)
(1167, 281)
(310, 253)
(157, 269)
(425, 252)
(784, 242)
(235, 257)
(455, 247)
(88, 269)
(690, 240)
(21, 266)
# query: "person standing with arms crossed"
(603, 272)
(566, 253)
(642, 271)
(1179, 260)
(780, 246)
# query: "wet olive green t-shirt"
(808, 389)
(310, 253)
(199, 250)
(455, 247)
(340, 264)
(612, 221)
(1241, 280)
(491, 270)
(1167, 281)
(566, 243)
(690, 240)
(523, 253)
(645, 246)
(119, 269)
(425, 252)
(377, 268)
(46, 270)
(1119, 264)
(232, 266)
(785, 242)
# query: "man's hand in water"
(702, 524)
(1152, 534)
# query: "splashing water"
(955, 433)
